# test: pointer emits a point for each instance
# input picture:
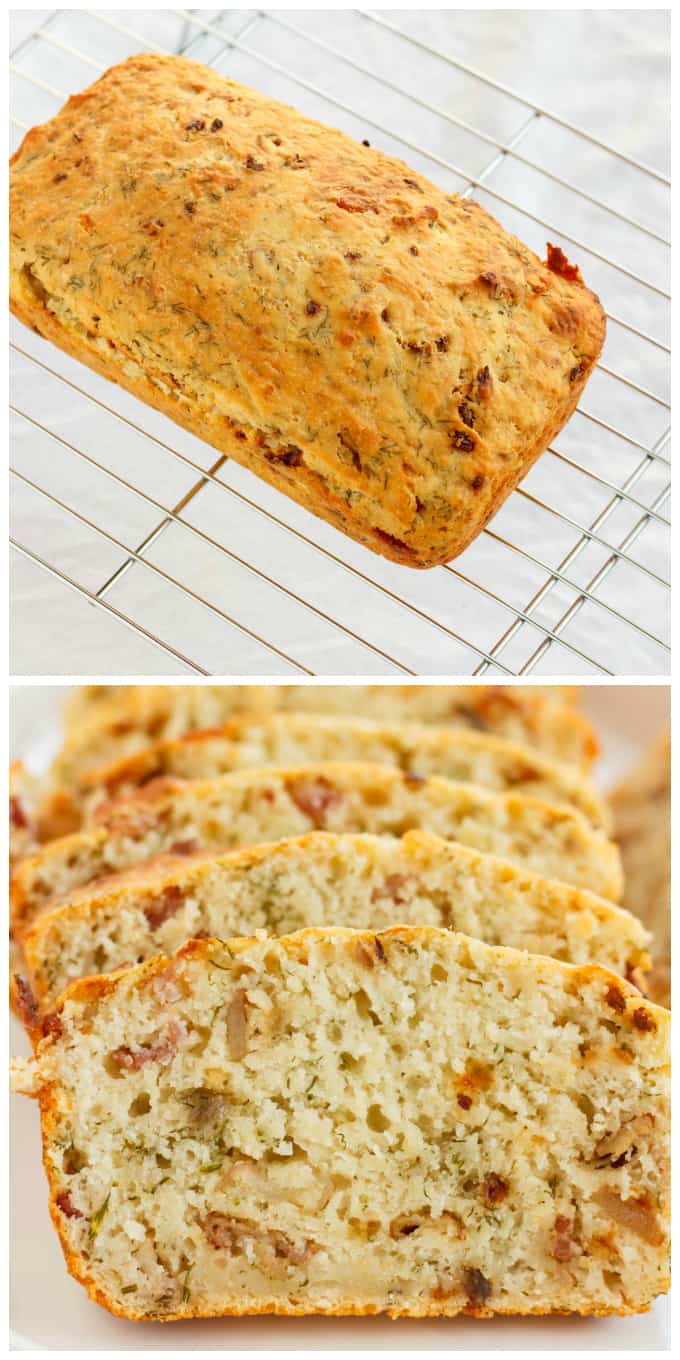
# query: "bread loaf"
(263, 805)
(419, 748)
(409, 1122)
(380, 350)
(325, 879)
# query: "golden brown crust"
(259, 256)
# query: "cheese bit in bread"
(409, 1122)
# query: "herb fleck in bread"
(325, 879)
(381, 351)
(422, 748)
(264, 805)
(350, 1122)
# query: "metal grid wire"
(220, 573)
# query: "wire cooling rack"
(223, 575)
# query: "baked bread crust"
(640, 1027)
(323, 879)
(379, 350)
(255, 805)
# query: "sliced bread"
(642, 825)
(325, 879)
(251, 806)
(287, 739)
(410, 1122)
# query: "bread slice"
(24, 794)
(251, 806)
(642, 825)
(325, 879)
(287, 739)
(83, 700)
(126, 718)
(348, 1122)
(106, 723)
(184, 254)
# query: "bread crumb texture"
(320, 879)
(380, 350)
(339, 1121)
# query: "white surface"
(50, 1311)
(608, 71)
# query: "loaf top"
(387, 346)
